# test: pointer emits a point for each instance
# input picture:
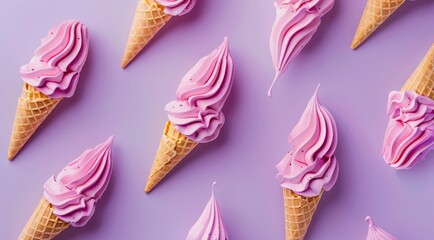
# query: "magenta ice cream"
(177, 7)
(295, 24)
(75, 191)
(197, 110)
(376, 233)
(311, 166)
(210, 225)
(409, 135)
(55, 68)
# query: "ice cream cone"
(32, 109)
(422, 79)
(298, 213)
(43, 224)
(148, 20)
(174, 146)
(375, 13)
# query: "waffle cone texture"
(43, 224)
(298, 213)
(32, 109)
(422, 79)
(174, 146)
(149, 18)
(375, 13)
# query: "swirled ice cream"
(409, 135)
(210, 223)
(74, 192)
(311, 165)
(55, 68)
(296, 23)
(376, 233)
(197, 110)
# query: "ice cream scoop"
(296, 22)
(376, 233)
(210, 225)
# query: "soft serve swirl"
(196, 112)
(409, 135)
(210, 224)
(295, 24)
(376, 233)
(55, 68)
(77, 188)
(311, 166)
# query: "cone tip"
(355, 44)
(148, 189)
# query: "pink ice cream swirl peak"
(376, 233)
(177, 7)
(210, 225)
(196, 112)
(311, 165)
(409, 135)
(296, 22)
(78, 187)
(55, 68)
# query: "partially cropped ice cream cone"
(375, 13)
(43, 224)
(149, 18)
(422, 79)
(70, 198)
(196, 115)
(409, 134)
(174, 146)
(298, 213)
(51, 75)
(32, 109)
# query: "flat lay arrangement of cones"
(32, 109)
(422, 79)
(43, 224)
(375, 13)
(174, 146)
(298, 213)
(149, 18)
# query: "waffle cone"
(43, 224)
(298, 213)
(174, 146)
(32, 109)
(422, 79)
(148, 20)
(375, 13)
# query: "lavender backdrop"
(129, 104)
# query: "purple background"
(129, 104)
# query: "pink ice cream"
(55, 68)
(296, 22)
(79, 186)
(311, 165)
(177, 7)
(196, 112)
(376, 233)
(409, 135)
(209, 226)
